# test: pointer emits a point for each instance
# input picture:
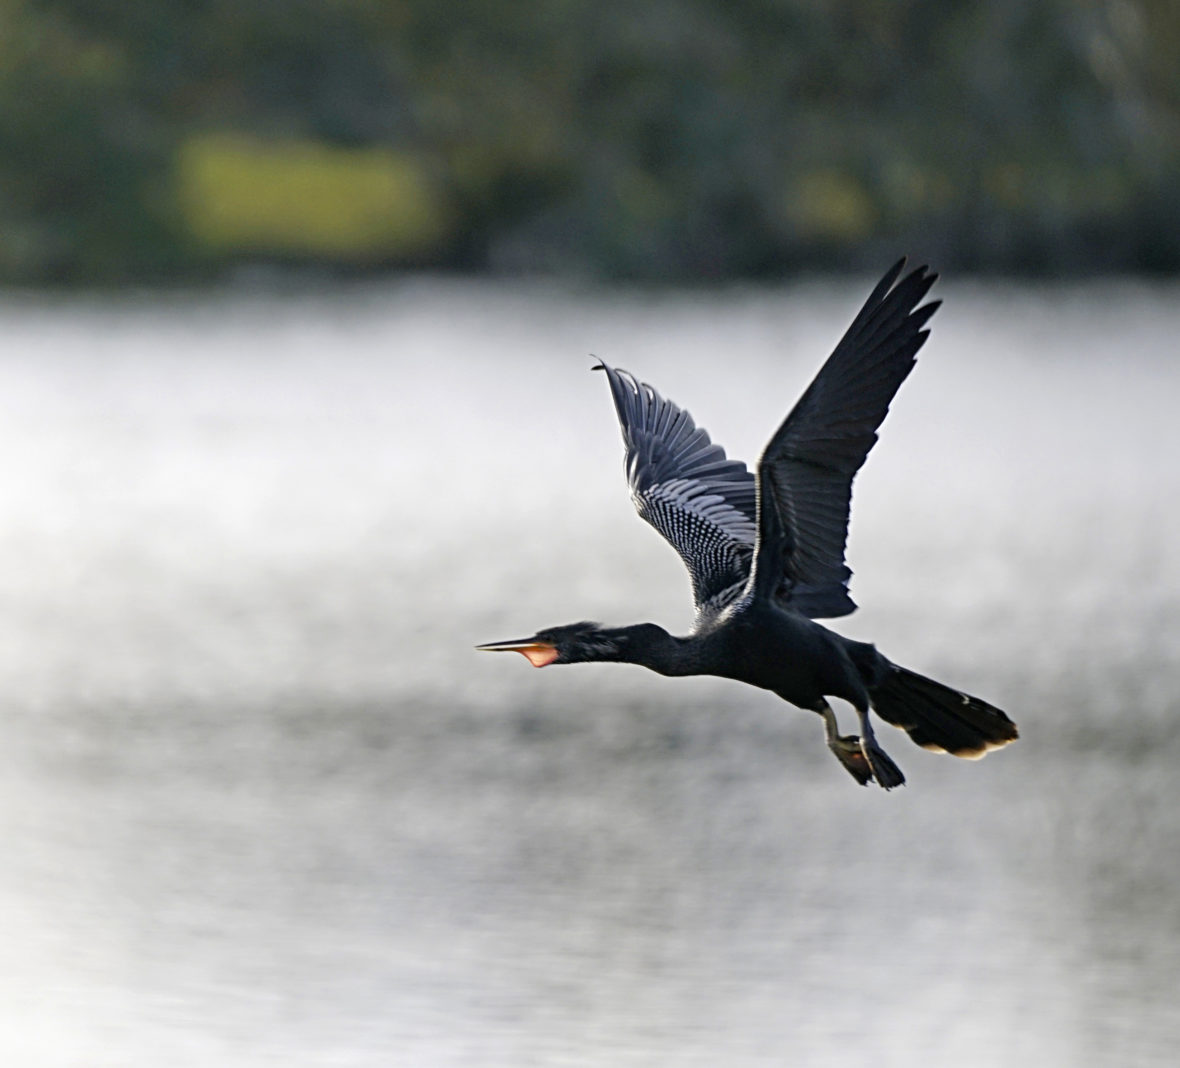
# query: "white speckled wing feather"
(684, 485)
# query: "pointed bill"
(537, 653)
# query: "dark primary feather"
(685, 486)
(806, 471)
(707, 506)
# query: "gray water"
(261, 804)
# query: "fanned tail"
(938, 717)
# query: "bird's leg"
(883, 769)
(846, 748)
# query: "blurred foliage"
(671, 139)
(299, 198)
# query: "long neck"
(652, 647)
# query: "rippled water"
(262, 804)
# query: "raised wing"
(806, 471)
(685, 487)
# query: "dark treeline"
(671, 139)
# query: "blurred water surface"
(262, 804)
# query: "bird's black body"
(765, 552)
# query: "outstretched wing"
(685, 487)
(806, 471)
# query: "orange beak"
(536, 652)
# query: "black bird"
(765, 551)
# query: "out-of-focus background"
(680, 139)
(295, 408)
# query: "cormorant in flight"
(765, 551)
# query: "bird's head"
(572, 644)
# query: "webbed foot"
(862, 758)
(887, 774)
(848, 751)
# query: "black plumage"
(702, 502)
(765, 551)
